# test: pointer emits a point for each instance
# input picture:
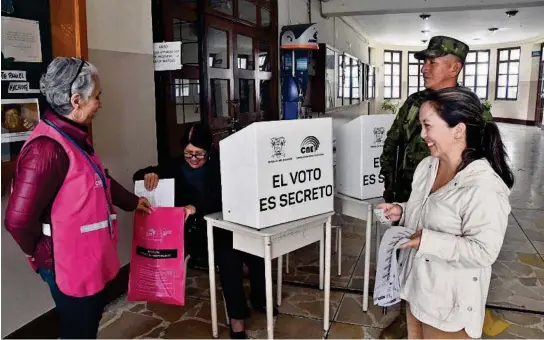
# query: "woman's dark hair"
(460, 105)
(198, 135)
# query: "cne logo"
(310, 144)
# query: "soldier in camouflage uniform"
(404, 148)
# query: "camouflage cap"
(440, 46)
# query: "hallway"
(516, 295)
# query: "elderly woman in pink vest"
(61, 210)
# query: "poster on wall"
(302, 36)
(21, 40)
(19, 118)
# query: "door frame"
(539, 110)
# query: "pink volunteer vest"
(83, 224)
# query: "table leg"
(268, 278)
(368, 247)
(211, 265)
(326, 309)
(321, 262)
(279, 279)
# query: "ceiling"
(470, 26)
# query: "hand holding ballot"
(144, 206)
(393, 212)
(414, 242)
(151, 181)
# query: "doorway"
(229, 75)
(539, 114)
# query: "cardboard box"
(277, 172)
(359, 145)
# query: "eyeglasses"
(198, 156)
(77, 75)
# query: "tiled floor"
(516, 295)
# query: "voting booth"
(359, 145)
(276, 172)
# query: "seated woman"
(198, 189)
(458, 211)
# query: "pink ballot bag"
(157, 264)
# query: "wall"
(521, 109)
(341, 33)
(123, 131)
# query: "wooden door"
(179, 90)
(230, 61)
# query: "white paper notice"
(21, 40)
(167, 56)
(162, 196)
(13, 75)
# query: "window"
(371, 82)
(330, 80)
(348, 80)
(186, 92)
(392, 74)
(355, 76)
(415, 78)
(340, 76)
(508, 73)
(186, 33)
(370, 78)
(476, 72)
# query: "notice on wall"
(13, 75)
(21, 40)
(167, 56)
(21, 87)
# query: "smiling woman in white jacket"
(459, 211)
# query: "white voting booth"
(276, 172)
(359, 145)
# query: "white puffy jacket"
(446, 281)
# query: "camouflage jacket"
(404, 148)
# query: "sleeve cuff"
(402, 216)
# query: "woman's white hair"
(55, 83)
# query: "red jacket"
(43, 165)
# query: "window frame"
(392, 73)
(420, 86)
(354, 66)
(475, 75)
(498, 74)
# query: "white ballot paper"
(162, 196)
(387, 284)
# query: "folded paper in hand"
(387, 284)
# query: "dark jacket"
(42, 167)
(205, 203)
